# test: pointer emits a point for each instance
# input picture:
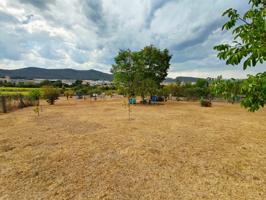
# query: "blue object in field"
(132, 101)
(154, 98)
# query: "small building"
(96, 83)
(68, 81)
(24, 81)
(5, 79)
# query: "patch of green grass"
(14, 91)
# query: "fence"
(11, 103)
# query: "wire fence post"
(3, 104)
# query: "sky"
(88, 34)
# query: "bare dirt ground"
(89, 150)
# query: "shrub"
(51, 94)
(35, 95)
(69, 93)
(36, 110)
(194, 93)
(205, 102)
(110, 93)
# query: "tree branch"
(244, 21)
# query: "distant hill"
(182, 79)
(186, 79)
(33, 72)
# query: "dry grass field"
(89, 150)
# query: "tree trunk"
(3, 100)
(143, 98)
(129, 109)
(21, 103)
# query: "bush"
(69, 93)
(35, 95)
(80, 93)
(205, 102)
(195, 93)
(51, 94)
(110, 93)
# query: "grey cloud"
(201, 34)
(157, 4)
(79, 57)
(7, 18)
(10, 47)
(49, 50)
(94, 12)
(41, 4)
(28, 19)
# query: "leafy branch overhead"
(249, 46)
(254, 89)
(249, 31)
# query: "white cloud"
(86, 34)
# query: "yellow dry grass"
(89, 150)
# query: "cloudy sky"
(87, 34)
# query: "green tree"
(254, 89)
(249, 33)
(147, 87)
(202, 83)
(228, 89)
(124, 71)
(152, 66)
(140, 73)
(172, 89)
(155, 63)
(51, 94)
(57, 84)
(35, 95)
(45, 83)
(248, 45)
(164, 92)
(69, 93)
(77, 83)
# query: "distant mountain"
(41, 73)
(182, 79)
(186, 79)
(33, 72)
(169, 80)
